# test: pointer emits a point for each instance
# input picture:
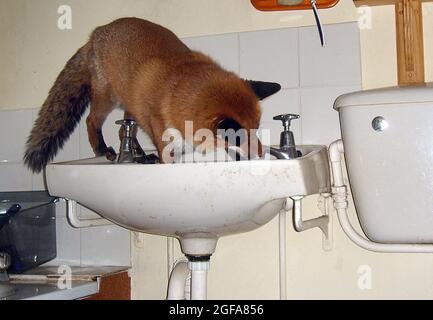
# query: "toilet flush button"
(379, 124)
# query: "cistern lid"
(391, 95)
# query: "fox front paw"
(110, 154)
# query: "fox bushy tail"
(60, 113)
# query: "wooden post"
(410, 46)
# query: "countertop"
(42, 283)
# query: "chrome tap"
(287, 148)
(130, 149)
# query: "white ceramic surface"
(391, 171)
(195, 202)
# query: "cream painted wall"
(378, 49)
(428, 39)
(33, 51)
(245, 266)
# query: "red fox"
(149, 72)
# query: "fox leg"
(101, 106)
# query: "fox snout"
(245, 143)
(251, 148)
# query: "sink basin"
(194, 202)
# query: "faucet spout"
(279, 154)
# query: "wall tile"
(222, 48)
(285, 101)
(68, 239)
(270, 56)
(105, 245)
(38, 181)
(145, 141)
(336, 64)
(68, 244)
(85, 151)
(14, 177)
(84, 213)
(275, 129)
(273, 134)
(111, 129)
(15, 127)
(320, 123)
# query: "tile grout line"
(299, 55)
(239, 53)
(33, 175)
(360, 59)
(299, 83)
(79, 126)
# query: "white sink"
(194, 202)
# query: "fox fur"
(146, 70)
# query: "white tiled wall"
(270, 56)
(311, 77)
(336, 64)
(105, 245)
(223, 48)
(285, 101)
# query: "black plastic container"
(27, 228)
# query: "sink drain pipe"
(199, 267)
(188, 279)
(339, 195)
(178, 281)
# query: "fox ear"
(264, 89)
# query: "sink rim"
(310, 150)
(198, 226)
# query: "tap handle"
(126, 122)
(128, 125)
(286, 119)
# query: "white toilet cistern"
(387, 146)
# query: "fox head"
(239, 122)
(229, 108)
